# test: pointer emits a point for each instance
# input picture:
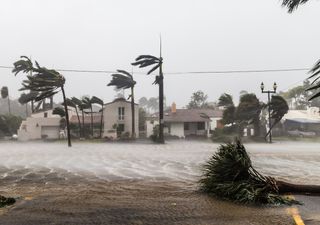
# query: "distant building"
(117, 118)
(186, 122)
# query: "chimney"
(173, 108)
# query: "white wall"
(110, 117)
(177, 129)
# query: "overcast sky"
(197, 36)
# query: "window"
(186, 126)
(201, 126)
(121, 113)
(120, 128)
(45, 115)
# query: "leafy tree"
(142, 119)
(5, 94)
(278, 108)
(146, 61)
(96, 100)
(225, 100)
(248, 112)
(45, 82)
(143, 102)
(9, 124)
(198, 100)
(124, 80)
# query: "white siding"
(177, 129)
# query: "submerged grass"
(229, 174)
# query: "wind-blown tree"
(248, 112)
(96, 100)
(315, 84)
(198, 100)
(72, 104)
(45, 82)
(293, 4)
(124, 80)
(23, 100)
(229, 113)
(225, 100)
(146, 61)
(278, 108)
(5, 94)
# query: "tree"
(198, 100)
(315, 85)
(278, 108)
(293, 4)
(225, 100)
(5, 94)
(248, 112)
(96, 100)
(45, 82)
(124, 80)
(146, 61)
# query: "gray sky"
(197, 36)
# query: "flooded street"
(141, 183)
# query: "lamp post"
(269, 92)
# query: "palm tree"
(124, 80)
(315, 84)
(46, 82)
(23, 100)
(96, 100)
(88, 104)
(5, 94)
(72, 104)
(293, 4)
(79, 105)
(148, 60)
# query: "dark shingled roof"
(191, 115)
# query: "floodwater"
(177, 160)
(140, 183)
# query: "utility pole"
(269, 117)
(161, 119)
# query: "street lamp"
(269, 92)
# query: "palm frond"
(292, 4)
(229, 174)
(122, 80)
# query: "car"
(298, 133)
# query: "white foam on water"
(178, 160)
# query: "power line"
(186, 72)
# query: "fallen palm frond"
(229, 174)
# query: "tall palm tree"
(315, 84)
(79, 105)
(5, 94)
(72, 104)
(124, 80)
(293, 4)
(88, 104)
(148, 60)
(46, 82)
(96, 100)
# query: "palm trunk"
(91, 121)
(26, 110)
(161, 121)
(67, 116)
(79, 123)
(285, 187)
(83, 129)
(9, 107)
(101, 121)
(133, 130)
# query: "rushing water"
(177, 160)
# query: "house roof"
(191, 115)
(87, 119)
(303, 121)
(120, 100)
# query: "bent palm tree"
(45, 82)
(72, 104)
(88, 104)
(96, 100)
(124, 80)
(315, 84)
(148, 60)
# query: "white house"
(186, 122)
(40, 125)
(117, 118)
